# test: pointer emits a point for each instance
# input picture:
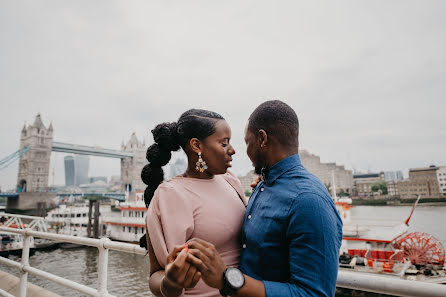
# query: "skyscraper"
(69, 171)
(82, 165)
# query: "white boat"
(130, 224)
(73, 219)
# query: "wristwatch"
(233, 280)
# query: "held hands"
(206, 258)
(179, 272)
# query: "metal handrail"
(346, 279)
(103, 245)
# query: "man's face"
(253, 150)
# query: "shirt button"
(244, 246)
(249, 217)
(261, 189)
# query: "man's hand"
(179, 272)
(204, 255)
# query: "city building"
(176, 168)
(247, 180)
(82, 164)
(392, 188)
(363, 183)
(422, 181)
(34, 165)
(70, 171)
(441, 176)
(328, 173)
(131, 167)
(96, 178)
(393, 175)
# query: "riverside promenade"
(11, 284)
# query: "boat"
(72, 219)
(388, 248)
(130, 224)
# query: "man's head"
(271, 134)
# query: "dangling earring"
(201, 165)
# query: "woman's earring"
(201, 165)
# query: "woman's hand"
(256, 181)
(205, 256)
(179, 272)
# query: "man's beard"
(258, 170)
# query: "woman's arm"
(179, 274)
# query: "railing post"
(103, 267)
(25, 262)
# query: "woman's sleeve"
(170, 220)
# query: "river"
(128, 274)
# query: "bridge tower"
(131, 167)
(34, 165)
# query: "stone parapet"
(11, 284)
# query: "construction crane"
(12, 157)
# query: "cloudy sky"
(366, 78)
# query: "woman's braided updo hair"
(194, 123)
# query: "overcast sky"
(367, 79)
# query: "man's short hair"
(278, 119)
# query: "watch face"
(235, 277)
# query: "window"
(123, 228)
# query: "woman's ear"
(263, 138)
(195, 145)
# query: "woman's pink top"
(211, 209)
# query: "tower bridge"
(36, 146)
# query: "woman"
(206, 202)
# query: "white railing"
(346, 279)
(388, 285)
(103, 245)
(37, 223)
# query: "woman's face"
(216, 150)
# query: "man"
(292, 232)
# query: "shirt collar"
(272, 173)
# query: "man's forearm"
(251, 288)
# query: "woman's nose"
(231, 150)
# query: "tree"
(343, 194)
(380, 186)
(247, 193)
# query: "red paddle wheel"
(421, 248)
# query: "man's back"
(292, 233)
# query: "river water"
(128, 274)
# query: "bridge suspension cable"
(5, 162)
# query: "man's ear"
(195, 145)
(263, 137)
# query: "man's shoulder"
(301, 182)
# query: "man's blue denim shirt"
(292, 233)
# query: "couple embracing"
(205, 239)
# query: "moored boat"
(388, 248)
